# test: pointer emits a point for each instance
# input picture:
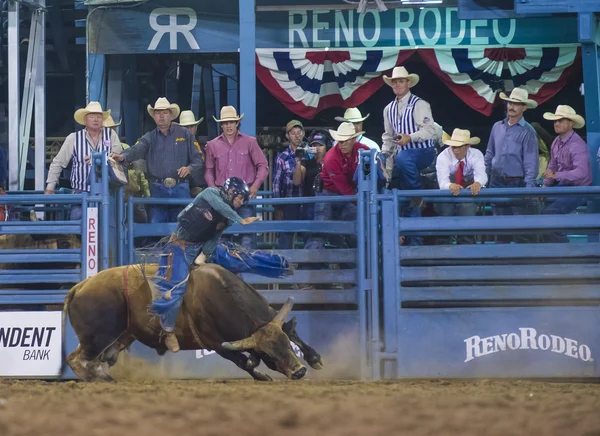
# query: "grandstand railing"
(42, 259)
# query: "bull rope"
(126, 294)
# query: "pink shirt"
(243, 159)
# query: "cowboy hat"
(228, 113)
(109, 122)
(163, 104)
(352, 115)
(93, 107)
(461, 137)
(344, 132)
(186, 118)
(401, 73)
(519, 95)
(564, 111)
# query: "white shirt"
(447, 164)
(368, 142)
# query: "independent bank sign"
(192, 26)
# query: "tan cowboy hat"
(109, 122)
(461, 137)
(352, 115)
(228, 113)
(93, 107)
(344, 132)
(163, 104)
(187, 118)
(519, 95)
(401, 73)
(564, 111)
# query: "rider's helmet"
(233, 187)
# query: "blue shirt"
(512, 151)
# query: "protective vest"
(201, 221)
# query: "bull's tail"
(68, 299)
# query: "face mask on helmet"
(233, 188)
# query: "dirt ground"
(148, 406)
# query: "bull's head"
(274, 344)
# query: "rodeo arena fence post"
(43, 253)
(393, 310)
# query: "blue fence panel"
(488, 310)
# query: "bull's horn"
(32, 215)
(241, 345)
(284, 311)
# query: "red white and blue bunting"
(310, 81)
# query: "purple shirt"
(243, 159)
(569, 158)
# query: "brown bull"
(219, 312)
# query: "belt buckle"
(169, 182)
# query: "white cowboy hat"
(352, 115)
(344, 132)
(109, 122)
(93, 107)
(228, 113)
(461, 137)
(187, 118)
(163, 104)
(519, 95)
(401, 73)
(564, 111)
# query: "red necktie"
(460, 177)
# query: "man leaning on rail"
(79, 146)
(569, 164)
(460, 167)
(171, 156)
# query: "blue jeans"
(456, 209)
(332, 211)
(181, 258)
(290, 212)
(164, 214)
(561, 206)
(408, 165)
(517, 207)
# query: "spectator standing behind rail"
(79, 146)
(233, 154)
(408, 139)
(569, 164)
(458, 167)
(511, 158)
(337, 176)
(354, 116)
(171, 157)
(197, 180)
(287, 180)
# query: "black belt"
(169, 182)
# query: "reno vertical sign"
(91, 242)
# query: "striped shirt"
(165, 154)
(67, 152)
(243, 159)
(424, 125)
(283, 180)
(404, 122)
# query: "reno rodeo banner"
(192, 26)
